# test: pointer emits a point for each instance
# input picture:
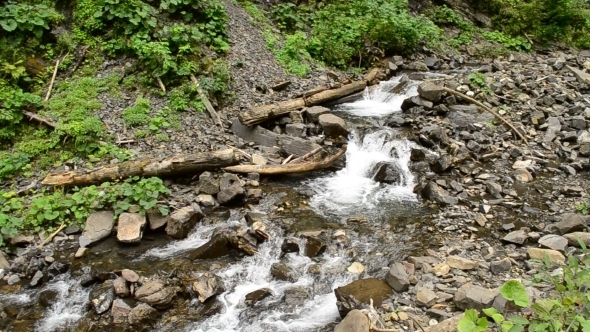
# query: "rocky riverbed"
(456, 205)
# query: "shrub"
(138, 114)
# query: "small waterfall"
(69, 305)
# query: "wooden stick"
(63, 225)
(38, 118)
(287, 160)
(287, 168)
(208, 106)
(307, 155)
(52, 80)
(457, 93)
(79, 62)
(161, 84)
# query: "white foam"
(69, 305)
(198, 236)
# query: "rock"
(208, 184)
(297, 296)
(494, 189)
(121, 288)
(130, 275)
(314, 246)
(518, 237)
(313, 113)
(120, 311)
(4, 261)
(283, 272)
(290, 245)
(501, 266)
(183, 220)
(441, 164)
(206, 200)
(130, 227)
(155, 219)
(255, 134)
(47, 297)
(414, 102)
(56, 268)
(229, 179)
(88, 276)
(470, 296)
(231, 194)
(99, 225)
(523, 175)
(457, 262)
(217, 246)
(13, 280)
(431, 62)
(294, 129)
(142, 315)
(449, 325)
(355, 321)
(22, 240)
(385, 172)
(296, 146)
(257, 295)
(417, 155)
(441, 269)
(540, 254)
(162, 299)
(72, 229)
(438, 195)
(333, 126)
(258, 159)
(37, 279)
(436, 134)
(356, 267)
(571, 222)
(362, 290)
(426, 297)
(430, 92)
(554, 242)
(102, 298)
(81, 252)
(207, 286)
(397, 277)
(574, 238)
(580, 75)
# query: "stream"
(309, 304)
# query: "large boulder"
(99, 225)
(571, 222)
(314, 113)
(230, 194)
(398, 278)
(361, 291)
(120, 311)
(333, 126)
(207, 286)
(435, 193)
(130, 227)
(430, 92)
(258, 295)
(355, 321)
(386, 172)
(183, 220)
(283, 272)
(102, 298)
(161, 299)
(142, 315)
(470, 296)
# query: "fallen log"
(265, 112)
(197, 162)
(286, 168)
(205, 100)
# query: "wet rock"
(72, 229)
(441, 164)
(430, 92)
(4, 261)
(208, 184)
(297, 295)
(426, 297)
(121, 288)
(361, 291)
(333, 126)
(162, 299)
(217, 246)
(88, 277)
(47, 298)
(398, 278)
(102, 298)
(554, 242)
(99, 225)
(207, 286)
(295, 130)
(355, 321)
(56, 268)
(501, 266)
(356, 267)
(130, 227)
(438, 195)
(81, 252)
(470, 296)
(120, 311)
(206, 200)
(540, 254)
(257, 295)
(290, 245)
(414, 102)
(385, 172)
(142, 315)
(518, 237)
(571, 222)
(255, 134)
(283, 272)
(155, 219)
(522, 175)
(313, 113)
(314, 246)
(130, 275)
(296, 146)
(13, 280)
(417, 155)
(436, 134)
(183, 220)
(230, 194)
(457, 262)
(574, 238)
(37, 279)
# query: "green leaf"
(519, 320)
(514, 291)
(51, 215)
(471, 323)
(585, 324)
(494, 314)
(8, 25)
(506, 326)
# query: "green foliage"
(26, 18)
(185, 98)
(162, 137)
(445, 16)
(9, 224)
(567, 310)
(293, 54)
(12, 163)
(112, 151)
(289, 17)
(478, 80)
(138, 114)
(12, 101)
(515, 43)
(584, 207)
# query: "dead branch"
(457, 93)
(52, 80)
(51, 236)
(161, 84)
(208, 106)
(286, 168)
(307, 155)
(287, 160)
(41, 119)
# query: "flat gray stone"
(571, 222)
(572, 238)
(552, 241)
(99, 225)
(156, 219)
(296, 146)
(254, 134)
(517, 237)
(183, 220)
(4, 261)
(313, 113)
(130, 227)
(355, 321)
(398, 278)
(470, 296)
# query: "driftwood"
(307, 155)
(52, 80)
(52, 235)
(265, 112)
(508, 123)
(38, 118)
(161, 84)
(207, 103)
(286, 168)
(198, 162)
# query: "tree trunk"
(286, 168)
(198, 162)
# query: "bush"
(138, 114)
